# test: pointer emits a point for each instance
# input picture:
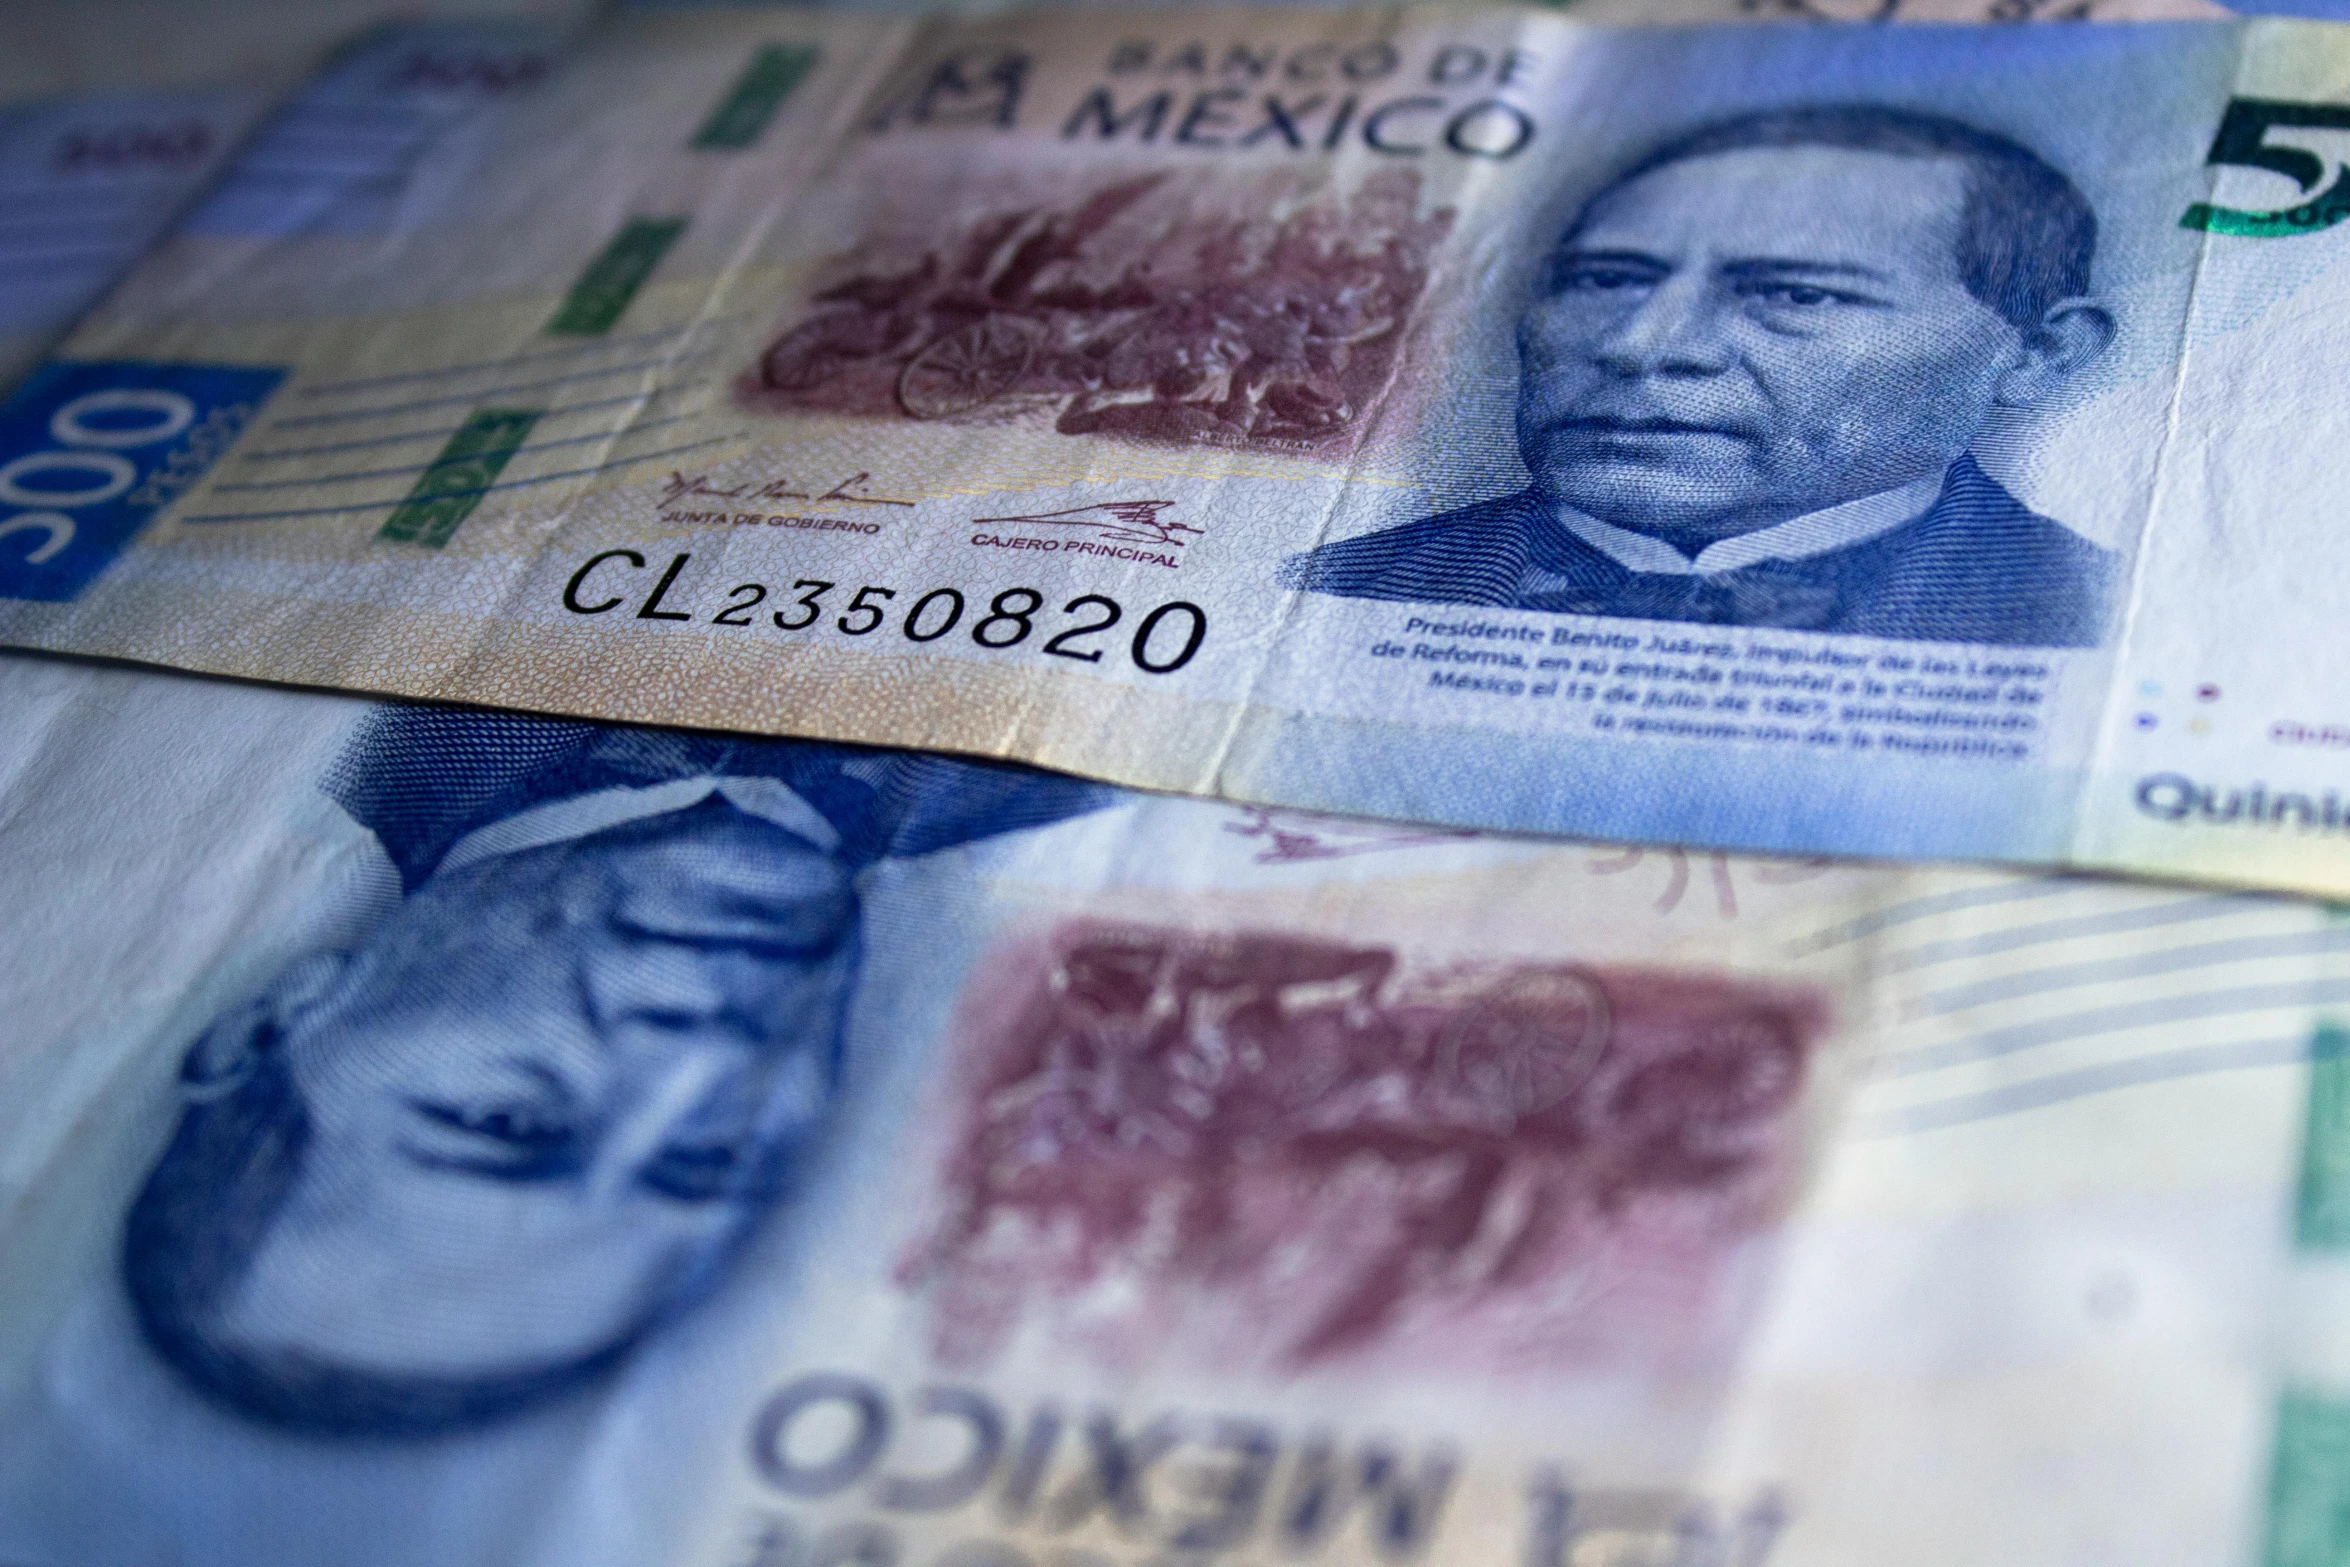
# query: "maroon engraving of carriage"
(1230, 327)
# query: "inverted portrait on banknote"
(474, 1137)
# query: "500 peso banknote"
(468, 1138)
(1898, 441)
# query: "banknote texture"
(1881, 441)
(455, 1136)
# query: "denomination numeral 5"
(2242, 142)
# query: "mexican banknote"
(1903, 441)
(430, 1136)
(95, 46)
(89, 180)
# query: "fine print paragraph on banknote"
(1899, 441)
(482, 1140)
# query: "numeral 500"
(93, 430)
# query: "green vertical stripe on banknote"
(747, 107)
(612, 279)
(2309, 1471)
(2309, 1484)
(449, 490)
(2321, 1217)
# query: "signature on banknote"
(1287, 837)
(1154, 308)
(1121, 522)
(850, 491)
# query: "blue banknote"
(442, 1136)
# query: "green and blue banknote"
(444, 1137)
(1900, 441)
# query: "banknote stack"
(1468, 786)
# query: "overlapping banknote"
(1911, 441)
(89, 180)
(436, 1136)
(137, 46)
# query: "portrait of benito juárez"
(462, 1166)
(1749, 387)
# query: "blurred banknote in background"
(61, 47)
(435, 1136)
(116, 113)
(86, 184)
(89, 181)
(1902, 441)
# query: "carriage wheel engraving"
(968, 368)
(807, 356)
(1527, 1045)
